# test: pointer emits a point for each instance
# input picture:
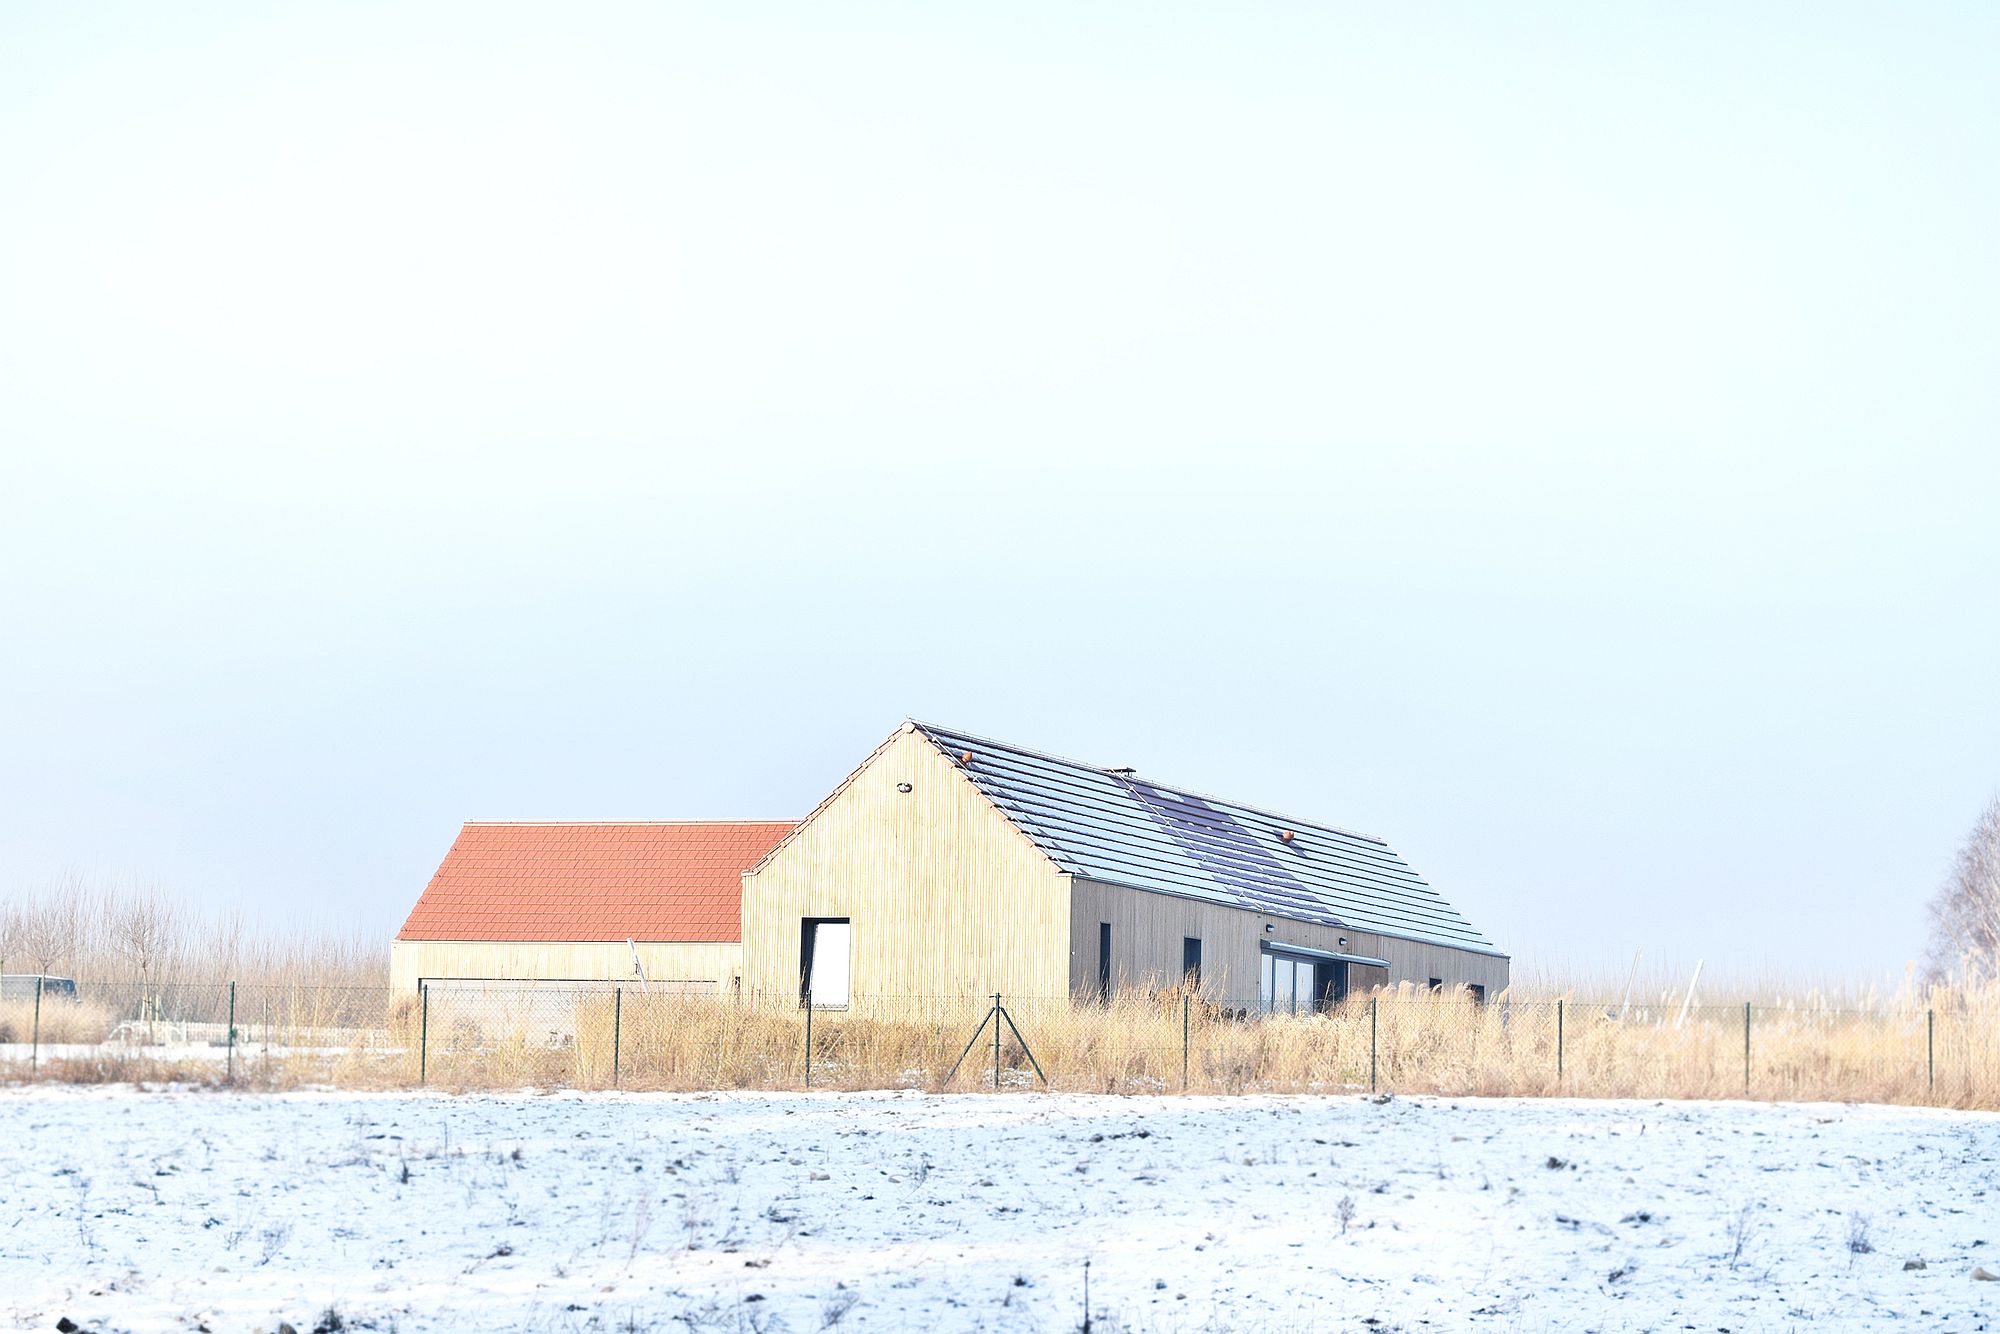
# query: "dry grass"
(307, 1007)
(1941, 1047)
(59, 1021)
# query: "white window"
(827, 971)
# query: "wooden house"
(950, 866)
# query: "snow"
(182, 1210)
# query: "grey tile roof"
(1122, 829)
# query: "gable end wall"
(947, 898)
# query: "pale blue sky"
(1561, 442)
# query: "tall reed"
(1940, 1046)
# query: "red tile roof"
(667, 881)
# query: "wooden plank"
(1148, 931)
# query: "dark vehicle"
(21, 986)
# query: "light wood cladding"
(569, 961)
(946, 896)
(1148, 931)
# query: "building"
(585, 902)
(950, 865)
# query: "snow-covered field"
(122, 1209)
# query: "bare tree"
(10, 934)
(1965, 914)
(145, 929)
(224, 933)
(52, 928)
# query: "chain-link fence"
(493, 1035)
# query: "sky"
(1559, 440)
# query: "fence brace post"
(1001, 1016)
(35, 1044)
(996, 1042)
(230, 1063)
(1184, 1041)
(1559, 1040)
(424, 1034)
(1373, 1001)
(1746, 1049)
(617, 1020)
(1930, 1047)
(809, 1037)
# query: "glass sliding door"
(1290, 984)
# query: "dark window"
(1191, 960)
(1478, 993)
(1104, 961)
(1437, 984)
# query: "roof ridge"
(1264, 811)
(549, 824)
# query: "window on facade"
(825, 961)
(1437, 984)
(1291, 984)
(1191, 960)
(1104, 961)
(1478, 993)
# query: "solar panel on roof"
(1109, 825)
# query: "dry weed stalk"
(156, 1003)
(1941, 1045)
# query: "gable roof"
(678, 881)
(1112, 826)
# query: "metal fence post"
(809, 1037)
(1930, 1047)
(996, 1042)
(1184, 1041)
(1373, 1001)
(1559, 1041)
(617, 1021)
(424, 1035)
(35, 1043)
(230, 1065)
(1746, 1049)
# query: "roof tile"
(656, 882)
